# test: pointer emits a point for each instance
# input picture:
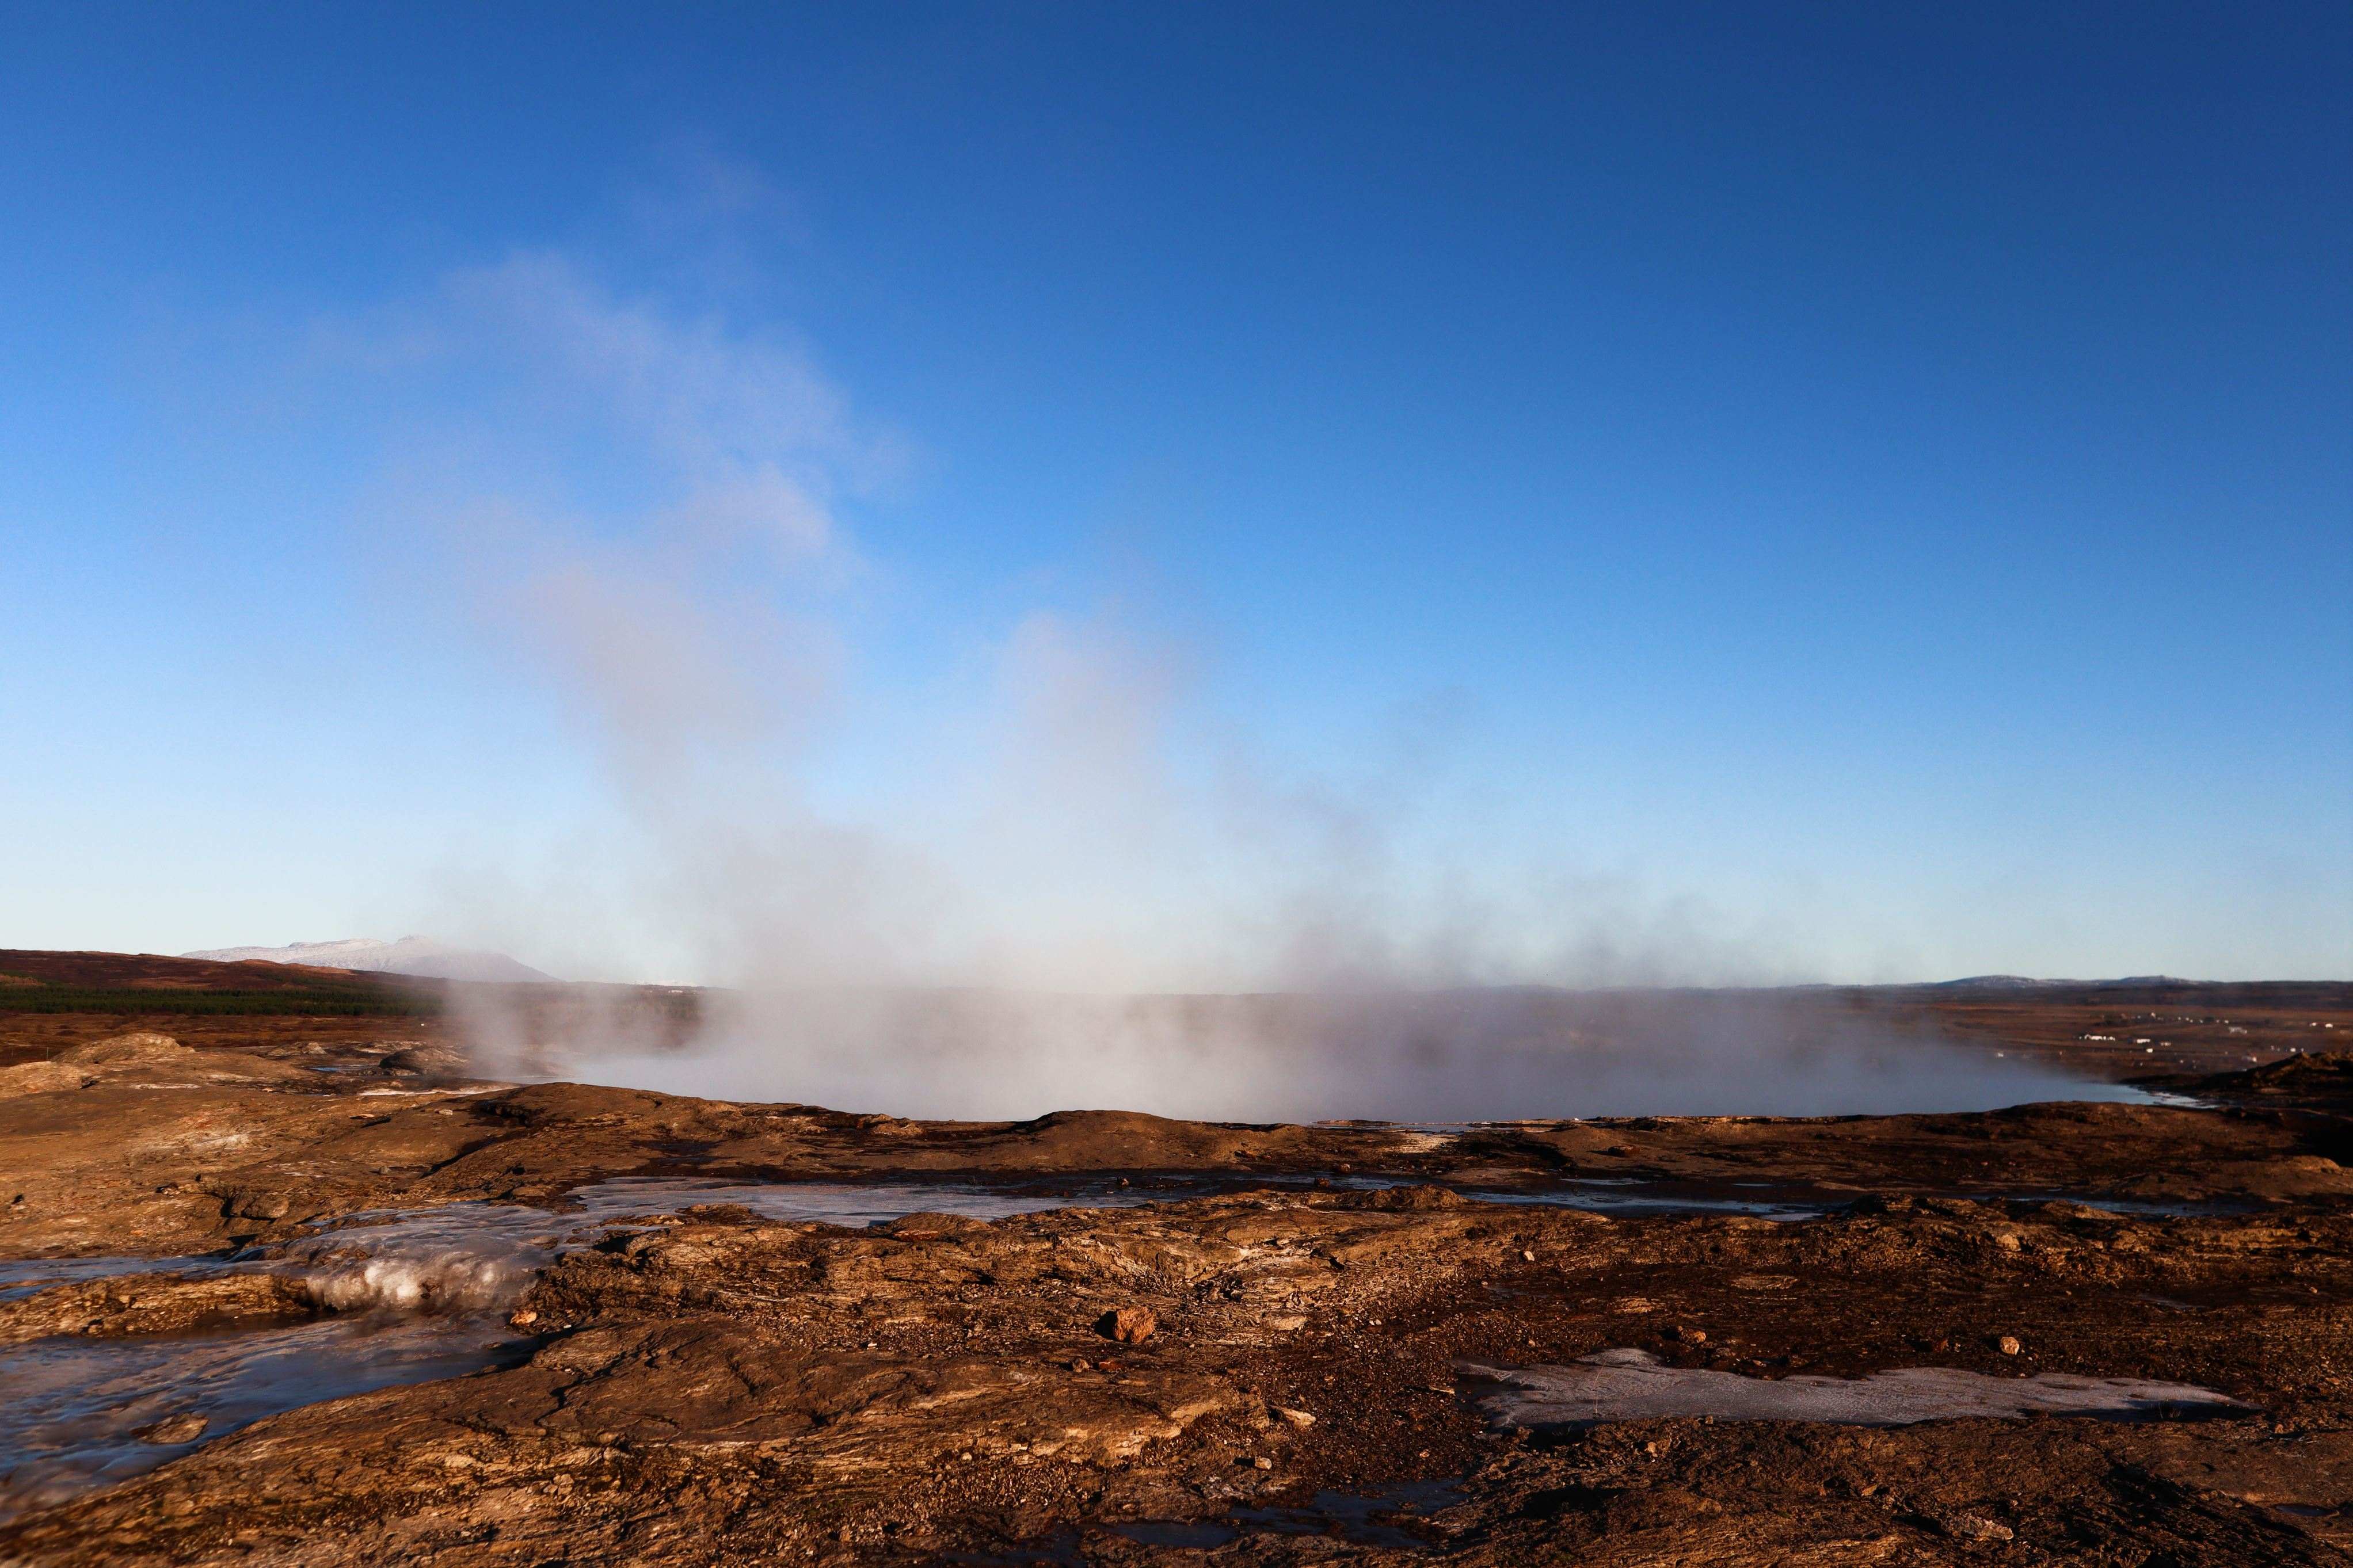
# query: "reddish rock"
(1128, 1325)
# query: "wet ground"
(416, 1295)
(407, 1296)
(258, 1312)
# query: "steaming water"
(1635, 1385)
(479, 1256)
(1422, 1057)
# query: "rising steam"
(1039, 878)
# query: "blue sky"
(1744, 492)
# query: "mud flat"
(270, 1299)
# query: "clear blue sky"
(1858, 491)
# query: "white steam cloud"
(959, 895)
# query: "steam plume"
(984, 897)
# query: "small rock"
(1261, 1463)
(925, 1225)
(259, 1205)
(1300, 1418)
(185, 1428)
(1763, 1282)
(1427, 1195)
(521, 1318)
(2008, 1344)
(1526, 1256)
(1128, 1325)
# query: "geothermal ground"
(279, 1283)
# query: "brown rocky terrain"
(705, 1382)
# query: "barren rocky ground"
(1291, 1355)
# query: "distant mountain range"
(410, 955)
(422, 956)
(2028, 982)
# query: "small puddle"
(1625, 1196)
(2130, 1208)
(24, 1276)
(1635, 1385)
(849, 1204)
(82, 1414)
(2172, 1099)
(1386, 1517)
(1634, 1198)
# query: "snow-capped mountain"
(410, 955)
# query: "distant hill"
(133, 986)
(410, 955)
(2028, 982)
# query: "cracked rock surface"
(711, 1384)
